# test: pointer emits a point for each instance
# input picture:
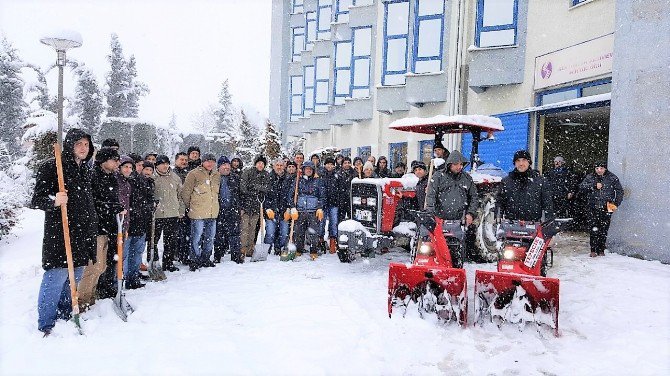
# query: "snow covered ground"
(324, 317)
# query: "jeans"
(54, 300)
(276, 232)
(205, 228)
(332, 215)
(132, 257)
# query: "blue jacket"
(311, 194)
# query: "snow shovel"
(260, 251)
(156, 273)
(66, 238)
(288, 253)
(121, 305)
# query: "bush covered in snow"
(17, 184)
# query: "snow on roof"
(408, 181)
(325, 150)
(38, 123)
(571, 102)
(429, 125)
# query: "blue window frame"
(396, 30)
(364, 152)
(308, 90)
(428, 36)
(298, 6)
(426, 150)
(346, 152)
(363, 2)
(576, 91)
(297, 42)
(324, 14)
(310, 30)
(321, 76)
(360, 61)
(577, 2)
(296, 97)
(496, 23)
(342, 72)
(342, 10)
(397, 153)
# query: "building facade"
(343, 70)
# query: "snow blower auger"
(519, 292)
(430, 282)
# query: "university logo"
(545, 72)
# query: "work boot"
(333, 246)
(170, 268)
(313, 255)
(593, 254)
(143, 267)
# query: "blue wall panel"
(501, 150)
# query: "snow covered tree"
(227, 134)
(136, 89)
(12, 112)
(294, 145)
(42, 99)
(5, 156)
(205, 120)
(87, 104)
(271, 146)
(117, 80)
(248, 146)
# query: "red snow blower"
(431, 282)
(519, 291)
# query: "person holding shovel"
(228, 221)
(54, 299)
(309, 206)
(253, 188)
(276, 228)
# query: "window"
(346, 152)
(296, 97)
(397, 154)
(364, 152)
(396, 26)
(428, 36)
(323, 18)
(322, 68)
(342, 72)
(297, 42)
(308, 90)
(342, 10)
(426, 151)
(360, 61)
(576, 91)
(310, 28)
(298, 6)
(496, 23)
(577, 2)
(359, 3)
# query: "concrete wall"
(280, 55)
(639, 131)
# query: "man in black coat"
(563, 187)
(184, 224)
(332, 182)
(524, 193)
(141, 212)
(605, 194)
(228, 222)
(107, 205)
(347, 174)
(54, 299)
(276, 227)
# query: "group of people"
(204, 206)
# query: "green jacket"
(167, 189)
(200, 193)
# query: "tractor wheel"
(486, 244)
(344, 255)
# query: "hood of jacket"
(456, 157)
(72, 136)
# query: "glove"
(319, 214)
(287, 215)
(270, 213)
(294, 214)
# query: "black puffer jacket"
(81, 214)
(106, 195)
(451, 195)
(524, 196)
(141, 205)
(275, 198)
(253, 187)
(612, 191)
(562, 182)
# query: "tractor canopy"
(448, 124)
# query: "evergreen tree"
(41, 90)
(12, 112)
(136, 89)
(271, 142)
(88, 102)
(117, 80)
(248, 146)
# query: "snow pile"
(408, 181)
(352, 226)
(405, 228)
(39, 123)
(478, 120)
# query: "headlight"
(356, 200)
(426, 249)
(508, 254)
(372, 201)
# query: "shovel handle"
(119, 247)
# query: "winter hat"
(109, 143)
(291, 163)
(208, 157)
(346, 159)
(151, 153)
(329, 160)
(106, 154)
(135, 157)
(368, 166)
(222, 160)
(162, 159)
(600, 164)
(260, 158)
(522, 154)
(560, 159)
(309, 164)
(358, 159)
(418, 164)
(193, 148)
(146, 164)
(125, 159)
(438, 145)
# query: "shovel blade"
(156, 273)
(436, 289)
(260, 252)
(517, 298)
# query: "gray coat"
(451, 195)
